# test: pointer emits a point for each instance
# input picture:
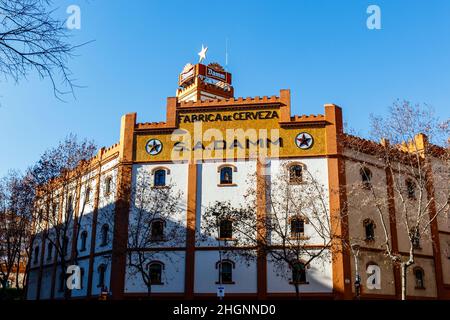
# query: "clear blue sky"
(319, 49)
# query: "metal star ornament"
(304, 140)
(202, 54)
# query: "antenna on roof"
(226, 53)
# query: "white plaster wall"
(84, 280)
(32, 284)
(445, 256)
(109, 164)
(36, 243)
(441, 177)
(209, 191)
(95, 276)
(206, 274)
(172, 275)
(318, 169)
(178, 180)
(361, 204)
(319, 276)
(58, 294)
(86, 214)
(106, 208)
(46, 285)
(411, 205)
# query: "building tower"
(204, 82)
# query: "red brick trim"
(261, 191)
(191, 214)
(93, 233)
(122, 205)
(338, 197)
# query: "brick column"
(122, 207)
(190, 230)
(342, 284)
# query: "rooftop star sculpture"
(202, 54)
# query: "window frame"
(49, 251)
(62, 282)
(219, 267)
(410, 187)
(65, 244)
(166, 174)
(104, 235)
(101, 269)
(302, 235)
(416, 241)
(87, 194)
(367, 222)
(36, 255)
(293, 270)
(296, 180)
(108, 181)
(81, 277)
(161, 266)
(163, 224)
(421, 285)
(219, 236)
(157, 175)
(83, 236)
(70, 208)
(222, 182)
(366, 177)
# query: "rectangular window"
(226, 229)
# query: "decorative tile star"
(154, 147)
(304, 140)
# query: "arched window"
(298, 272)
(104, 235)
(419, 275)
(297, 227)
(295, 173)
(81, 277)
(155, 272)
(49, 251)
(40, 215)
(87, 194)
(70, 205)
(84, 235)
(108, 182)
(36, 255)
(226, 175)
(160, 178)
(366, 177)
(62, 281)
(226, 229)
(157, 230)
(414, 235)
(54, 209)
(410, 189)
(225, 268)
(369, 228)
(101, 275)
(65, 245)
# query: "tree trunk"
(404, 269)
(297, 291)
(149, 291)
(3, 289)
